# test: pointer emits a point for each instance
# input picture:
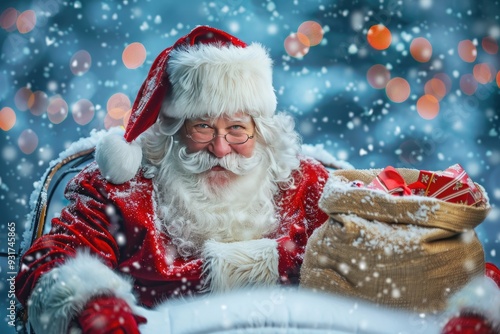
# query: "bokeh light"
(445, 78)
(126, 118)
(468, 84)
(379, 37)
(467, 51)
(489, 45)
(134, 55)
(22, 98)
(310, 33)
(421, 49)
(57, 110)
(482, 73)
(428, 106)
(435, 87)
(378, 76)
(397, 90)
(294, 47)
(498, 79)
(80, 62)
(7, 118)
(8, 18)
(27, 141)
(38, 103)
(118, 104)
(26, 21)
(83, 111)
(110, 122)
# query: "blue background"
(326, 90)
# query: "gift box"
(451, 185)
(390, 181)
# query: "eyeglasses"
(203, 134)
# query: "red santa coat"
(117, 223)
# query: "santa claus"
(205, 192)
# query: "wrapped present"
(390, 181)
(451, 185)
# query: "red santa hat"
(207, 72)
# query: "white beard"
(198, 205)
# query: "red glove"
(109, 315)
(469, 323)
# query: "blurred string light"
(80, 62)
(421, 49)
(24, 22)
(83, 111)
(134, 55)
(378, 76)
(27, 141)
(309, 33)
(398, 89)
(7, 118)
(118, 110)
(467, 51)
(379, 37)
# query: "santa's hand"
(240, 264)
(109, 314)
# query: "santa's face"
(220, 136)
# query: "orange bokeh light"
(489, 45)
(8, 18)
(126, 118)
(498, 79)
(482, 73)
(294, 47)
(118, 104)
(421, 49)
(468, 84)
(27, 141)
(310, 33)
(57, 110)
(26, 21)
(378, 76)
(379, 37)
(398, 90)
(467, 51)
(134, 55)
(428, 106)
(436, 88)
(23, 98)
(7, 118)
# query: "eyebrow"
(240, 119)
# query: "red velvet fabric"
(117, 223)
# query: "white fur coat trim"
(118, 160)
(62, 293)
(240, 264)
(481, 296)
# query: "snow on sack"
(408, 252)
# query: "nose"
(219, 147)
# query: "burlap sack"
(407, 252)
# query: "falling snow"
(63, 67)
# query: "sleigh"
(286, 309)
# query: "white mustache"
(203, 161)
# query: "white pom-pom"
(118, 160)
